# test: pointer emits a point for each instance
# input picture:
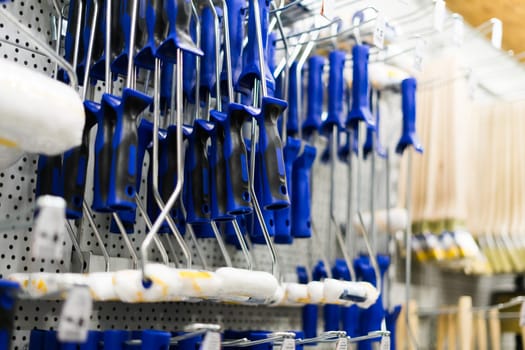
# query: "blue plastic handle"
(153, 339)
(189, 72)
(217, 168)
(336, 88)
(309, 312)
(49, 176)
(123, 173)
(145, 136)
(36, 339)
(197, 174)
(86, 34)
(330, 312)
(301, 195)
(409, 137)
(106, 118)
(74, 170)
(99, 47)
(360, 110)
(270, 51)
(391, 320)
(178, 14)
(348, 314)
(314, 111)
(259, 335)
(166, 79)
(238, 198)
(283, 217)
(69, 41)
(208, 61)
(250, 55)
(236, 15)
(269, 156)
(371, 318)
(119, 66)
(50, 341)
(155, 25)
(292, 125)
(115, 339)
(372, 133)
(92, 343)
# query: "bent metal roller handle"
(360, 110)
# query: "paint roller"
(56, 127)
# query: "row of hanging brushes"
(119, 150)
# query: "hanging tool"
(75, 161)
(408, 138)
(331, 126)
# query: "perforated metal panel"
(17, 200)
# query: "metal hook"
(326, 337)
(89, 214)
(245, 342)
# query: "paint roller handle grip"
(121, 48)
(336, 87)
(315, 95)
(236, 12)
(292, 125)
(209, 60)
(178, 14)
(409, 136)
(301, 195)
(238, 197)
(269, 155)
(360, 110)
(75, 170)
(283, 217)
(251, 68)
(49, 174)
(197, 177)
(372, 141)
(124, 144)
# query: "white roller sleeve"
(398, 220)
(101, 286)
(165, 284)
(43, 284)
(335, 289)
(199, 283)
(316, 292)
(38, 114)
(9, 156)
(245, 283)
